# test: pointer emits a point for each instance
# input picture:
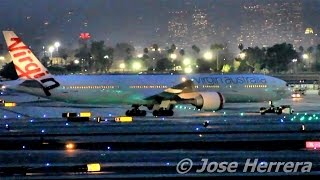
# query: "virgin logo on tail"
(28, 67)
(23, 57)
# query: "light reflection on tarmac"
(34, 142)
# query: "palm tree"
(196, 49)
(240, 46)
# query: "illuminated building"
(270, 22)
(310, 37)
(178, 28)
(200, 27)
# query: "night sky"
(138, 21)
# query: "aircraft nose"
(283, 91)
(286, 91)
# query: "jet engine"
(209, 101)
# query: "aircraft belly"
(98, 96)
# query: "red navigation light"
(312, 144)
(85, 36)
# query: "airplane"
(159, 93)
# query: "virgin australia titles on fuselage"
(134, 89)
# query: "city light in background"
(242, 55)
(208, 55)
(57, 45)
(122, 66)
(186, 61)
(51, 49)
(173, 56)
(136, 66)
(188, 70)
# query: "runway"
(34, 140)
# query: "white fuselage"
(134, 89)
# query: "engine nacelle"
(209, 101)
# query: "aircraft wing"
(176, 92)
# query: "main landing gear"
(163, 112)
(166, 109)
(135, 111)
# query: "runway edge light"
(9, 104)
(312, 144)
(123, 119)
(94, 167)
(85, 114)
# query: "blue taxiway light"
(31, 120)
(109, 148)
(42, 130)
(47, 164)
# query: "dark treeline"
(96, 57)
